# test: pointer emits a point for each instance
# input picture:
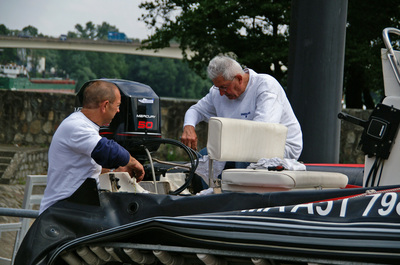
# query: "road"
(135, 48)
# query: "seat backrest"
(31, 199)
(244, 140)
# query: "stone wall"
(31, 118)
(350, 136)
(24, 161)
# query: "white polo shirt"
(70, 162)
(263, 100)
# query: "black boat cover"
(360, 225)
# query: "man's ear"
(103, 105)
(239, 77)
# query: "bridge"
(90, 45)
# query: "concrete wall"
(31, 118)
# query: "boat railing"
(390, 52)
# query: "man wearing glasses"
(243, 94)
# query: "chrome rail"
(391, 56)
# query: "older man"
(78, 152)
(243, 94)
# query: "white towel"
(205, 192)
(288, 164)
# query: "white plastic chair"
(30, 200)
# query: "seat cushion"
(244, 140)
(262, 180)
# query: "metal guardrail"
(7, 227)
(23, 213)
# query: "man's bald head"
(97, 92)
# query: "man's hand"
(134, 168)
(189, 137)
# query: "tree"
(75, 65)
(4, 30)
(92, 31)
(109, 65)
(363, 70)
(103, 29)
(7, 55)
(32, 31)
(167, 77)
(87, 32)
(255, 32)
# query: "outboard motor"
(137, 126)
(139, 119)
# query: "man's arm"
(201, 111)
(109, 154)
(134, 168)
(189, 137)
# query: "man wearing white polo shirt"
(78, 152)
(243, 94)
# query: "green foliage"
(94, 32)
(87, 32)
(168, 77)
(103, 29)
(4, 30)
(363, 70)
(254, 31)
(8, 55)
(75, 65)
(32, 31)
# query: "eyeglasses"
(224, 88)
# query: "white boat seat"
(248, 141)
(263, 180)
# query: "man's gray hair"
(223, 66)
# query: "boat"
(15, 77)
(354, 222)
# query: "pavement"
(11, 196)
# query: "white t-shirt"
(70, 162)
(263, 100)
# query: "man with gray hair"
(243, 94)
